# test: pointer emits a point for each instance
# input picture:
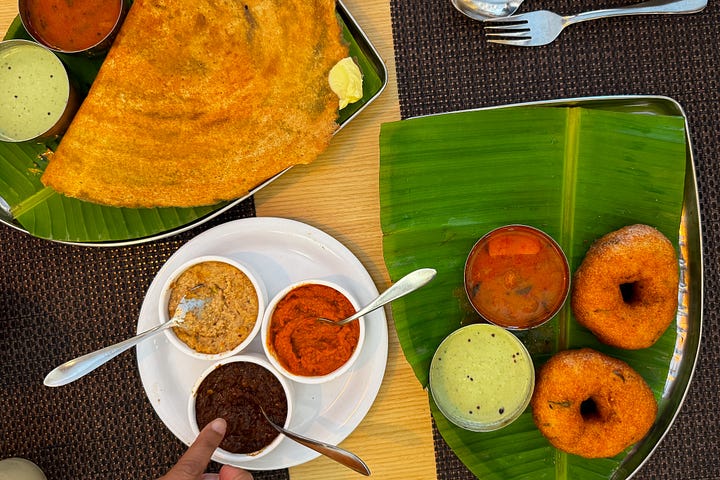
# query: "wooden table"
(338, 193)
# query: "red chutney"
(71, 25)
(517, 277)
(302, 344)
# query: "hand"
(193, 463)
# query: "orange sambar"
(517, 277)
(71, 25)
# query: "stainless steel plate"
(379, 72)
(690, 301)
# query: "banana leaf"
(44, 213)
(576, 173)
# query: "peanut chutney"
(232, 391)
(302, 344)
(227, 319)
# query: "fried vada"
(626, 289)
(200, 101)
(589, 404)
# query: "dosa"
(199, 101)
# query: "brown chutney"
(230, 392)
(230, 315)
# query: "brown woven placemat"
(60, 301)
(444, 64)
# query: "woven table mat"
(58, 302)
(444, 64)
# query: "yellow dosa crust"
(200, 101)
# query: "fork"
(542, 27)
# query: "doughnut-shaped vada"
(626, 289)
(589, 404)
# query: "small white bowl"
(221, 455)
(269, 351)
(165, 298)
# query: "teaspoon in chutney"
(333, 452)
(79, 367)
(407, 284)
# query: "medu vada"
(589, 404)
(626, 289)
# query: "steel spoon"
(333, 452)
(407, 284)
(484, 9)
(79, 367)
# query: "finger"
(194, 462)
(228, 472)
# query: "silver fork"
(542, 27)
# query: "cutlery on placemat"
(542, 27)
(484, 9)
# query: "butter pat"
(345, 80)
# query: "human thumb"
(228, 472)
(193, 463)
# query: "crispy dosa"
(199, 101)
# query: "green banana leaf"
(46, 214)
(576, 173)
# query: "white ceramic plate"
(282, 251)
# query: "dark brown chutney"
(230, 391)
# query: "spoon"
(333, 452)
(81, 366)
(484, 9)
(407, 284)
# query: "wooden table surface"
(338, 193)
